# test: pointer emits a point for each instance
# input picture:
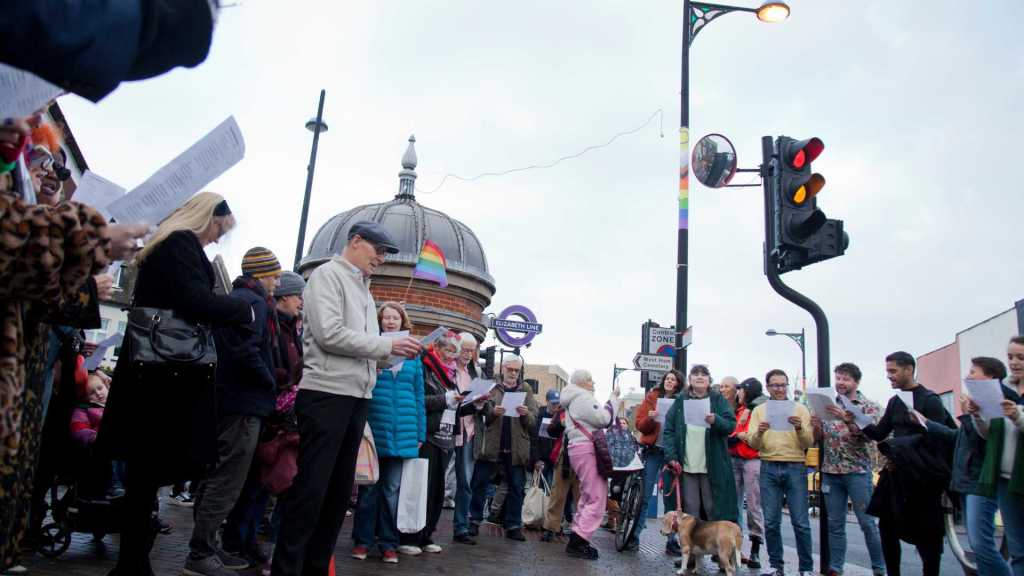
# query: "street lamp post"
(800, 339)
(316, 126)
(696, 16)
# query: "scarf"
(439, 369)
(991, 466)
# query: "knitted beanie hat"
(259, 263)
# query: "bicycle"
(630, 509)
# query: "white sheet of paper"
(392, 361)
(988, 395)
(23, 92)
(98, 192)
(182, 177)
(93, 362)
(861, 419)
(511, 401)
(777, 413)
(818, 399)
(433, 336)
(695, 410)
(478, 388)
(664, 405)
(907, 396)
(543, 433)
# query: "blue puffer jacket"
(397, 416)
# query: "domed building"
(470, 288)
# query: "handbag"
(158, 337)
(412, 496)
(605, 466)
(278, 458)
(535, 503)
(367, 467)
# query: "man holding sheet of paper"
(696, 429)
(509, 418)
(908, 497)
(780, 430)
(847, 466)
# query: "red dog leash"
(673, 488)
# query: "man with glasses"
(783, 471)
(341, 347)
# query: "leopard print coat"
(46, 254)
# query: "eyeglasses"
(39, 157)
(778, 385)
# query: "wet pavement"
(493, 554)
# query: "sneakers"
(182, 499)
(410, 550)
(432, 548)
(580, 548)
(449, 504)
(464, 539)
(390, 557)
(359, 552)
(515, 534)
(774, 572)
(547, 536)
(163, 526)
(232, 561)
(209, 566)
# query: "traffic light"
(487, 362)
(802, 234)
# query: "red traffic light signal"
(798, 154)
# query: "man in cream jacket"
(341, 347)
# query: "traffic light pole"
(771, 270)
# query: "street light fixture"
(696, 16)
(773, 12)
(316, 126)
(799, 338)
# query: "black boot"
(755, 551)
(580, 548)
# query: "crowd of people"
(306, 369)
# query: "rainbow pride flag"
(431, 265)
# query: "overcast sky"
(918, 105)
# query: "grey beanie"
(291, 285)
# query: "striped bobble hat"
(259, 263)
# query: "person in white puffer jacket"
(585, 415)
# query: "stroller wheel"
(54, 539)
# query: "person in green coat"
(700, 453)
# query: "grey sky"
(915, 103)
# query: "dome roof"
(409, 223)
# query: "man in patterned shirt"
(847, 470)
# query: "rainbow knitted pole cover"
(431, 264)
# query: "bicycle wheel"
(632, 500)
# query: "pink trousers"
(593, 490)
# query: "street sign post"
(652, 362)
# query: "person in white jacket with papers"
(585, 416)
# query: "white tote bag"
(412, 496)
(535, 503)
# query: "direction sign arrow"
(652, 362)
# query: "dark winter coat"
(246, 382)
(436, 386)
(522, 428)
(716, 451)
(178, 276)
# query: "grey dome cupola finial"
(407, 177)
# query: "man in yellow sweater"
(783, 472)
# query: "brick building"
(548, 377)
(458, 306)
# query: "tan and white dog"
(697, 538)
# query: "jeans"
(652, 469)
(515, 478)
(1012, 510)
(217, 493)
(376, 518)
(787, 479)
(980, 513)
(593, 490)
(464, 464)
(747, 473)
(855, 487)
